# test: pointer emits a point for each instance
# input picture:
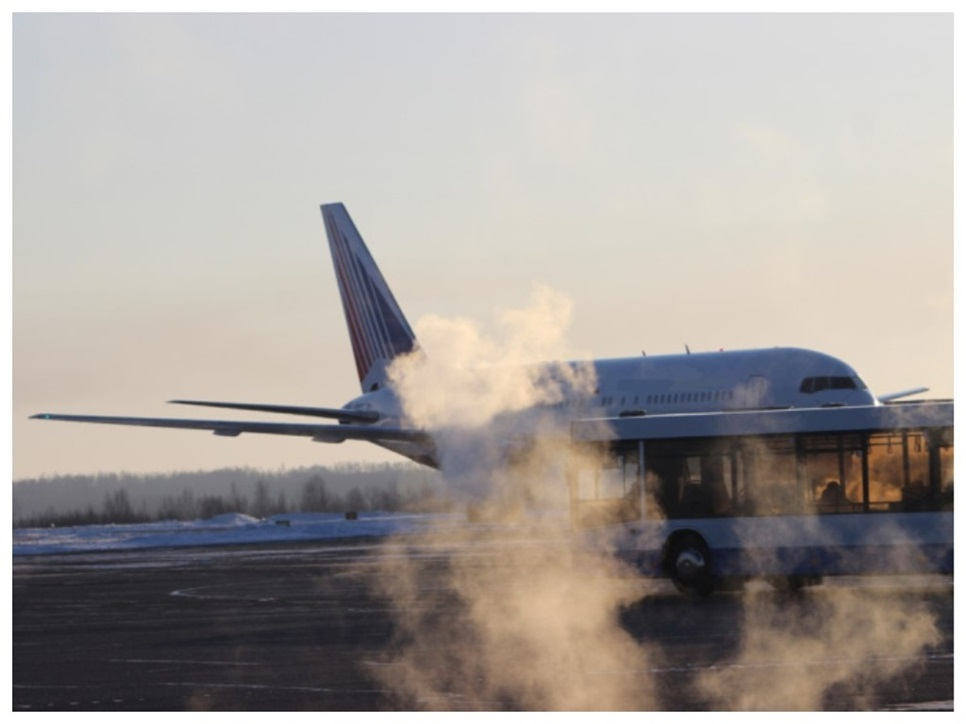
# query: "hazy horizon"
(716, 180)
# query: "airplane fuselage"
(739, 380)
(776, 378)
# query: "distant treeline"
(129, 498)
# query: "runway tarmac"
(305, 627)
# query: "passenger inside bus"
(833, 498)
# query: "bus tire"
(688, 563)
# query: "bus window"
(666, 474)
(898, 471)
(604, 487)
(832, 469)
(772, 476)
(716, 471)
(586, 481)
(946, 476)
(610, 481)
(688, 480)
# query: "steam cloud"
(534, 623)
(525, 628)
(535, 627)
(793, 652)
(469, 378)
(478, 391)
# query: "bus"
(710, 500)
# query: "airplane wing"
(231, 428)
(904, 393)
(363, 416)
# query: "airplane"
(381, 336)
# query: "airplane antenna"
(687, 349)
(644, 353)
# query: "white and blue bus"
(789, 495)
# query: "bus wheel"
(689, 565)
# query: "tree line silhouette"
(123, 498)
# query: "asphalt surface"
(309, 627)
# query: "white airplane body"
(644, 385)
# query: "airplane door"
(754, 392)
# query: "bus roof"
(932, 413)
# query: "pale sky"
(720, 181)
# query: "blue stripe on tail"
(377, 326)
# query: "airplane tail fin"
(377, 326)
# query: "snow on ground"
(233, 528)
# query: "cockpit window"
(818, 384)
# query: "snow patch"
(228, 529)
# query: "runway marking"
(715, 667)
(923, 706)
(273, 687)
(49, 686)
(71, 702)
(186, 661)
(193, 593)
(796, 664)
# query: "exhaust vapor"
(523, 617)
